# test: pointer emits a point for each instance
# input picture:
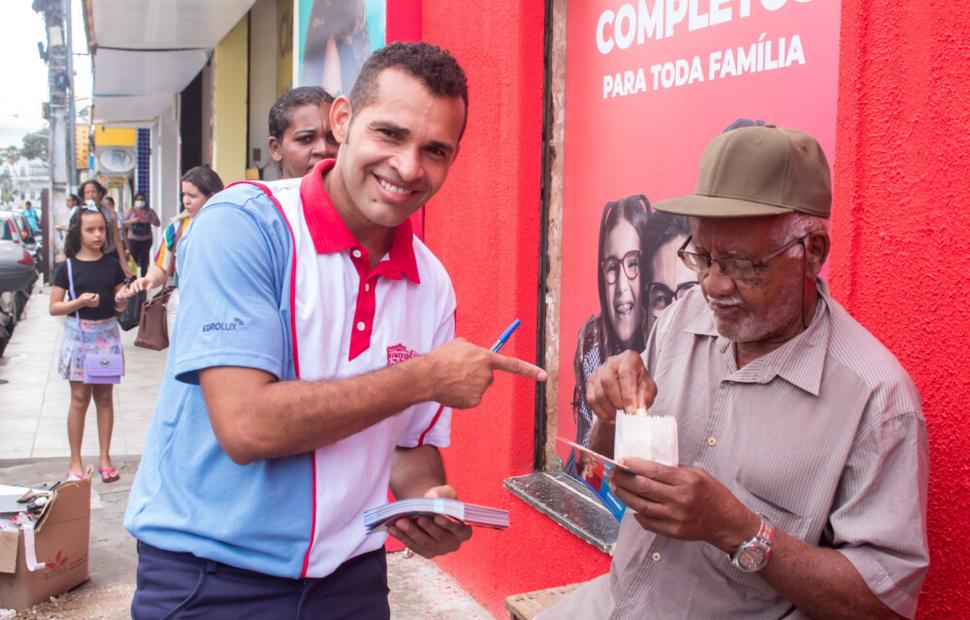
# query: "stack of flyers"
(376, 519)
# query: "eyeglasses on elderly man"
(744, 269)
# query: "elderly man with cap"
(801, 490)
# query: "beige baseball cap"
(759, 171)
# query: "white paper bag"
(651, 437)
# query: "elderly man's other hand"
(431, 537)
(685, 503)
(621, 383)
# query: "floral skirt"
(89, 337)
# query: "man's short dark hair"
(281, 112)
(435, 67)
(28, 203)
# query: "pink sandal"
(109, 474)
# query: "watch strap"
(764, 539)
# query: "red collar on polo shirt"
(331, 235)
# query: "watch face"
(751, 558)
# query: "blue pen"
(505, 336)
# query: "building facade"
(900, 177)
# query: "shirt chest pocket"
(784, 520)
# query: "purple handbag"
(102, 368)
(98, 368)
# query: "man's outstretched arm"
(254, 416)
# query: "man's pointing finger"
(518, 367)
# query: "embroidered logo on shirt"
(232, 326)
(399, 353)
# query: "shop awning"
(132, 109)
(145, 52)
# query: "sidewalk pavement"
(34, 448)
(34, 400)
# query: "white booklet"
(376, 519)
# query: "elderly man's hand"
(686, 503)
(431, 537)
(621, 383)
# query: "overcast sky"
(23, 74)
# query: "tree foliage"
(10, 154)
(35, 145)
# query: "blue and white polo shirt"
(272, 279)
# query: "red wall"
(484, 225)
(901, 239)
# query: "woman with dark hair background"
(94, 194)
(198, 185)
(71, 202)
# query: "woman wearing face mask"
(139, 221)
(198, 185)
(620, 323)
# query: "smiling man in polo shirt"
(330, 374)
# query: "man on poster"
(804, 461)
(313, 364)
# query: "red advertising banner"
(648, 85)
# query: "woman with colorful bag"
(198, 185)
(91, 357)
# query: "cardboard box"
(61, 542)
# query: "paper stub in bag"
(651, 437)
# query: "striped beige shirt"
(825, 436)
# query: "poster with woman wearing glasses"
(638, 277)
(643, 93)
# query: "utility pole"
(71, 111)
(60, 104)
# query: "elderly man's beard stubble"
(735, 320)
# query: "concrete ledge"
(528, 605)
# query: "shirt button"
(356, 253)
(712, 441)
(367, 287)
(361, 326)
(656, 556)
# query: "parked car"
(17, 277)
(15, 227)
